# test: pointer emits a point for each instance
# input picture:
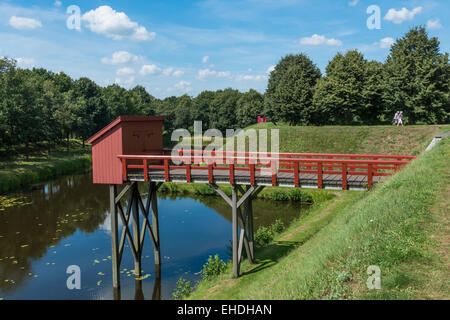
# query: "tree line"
(39, 105)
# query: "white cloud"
(57, 3)
(115, 25)
(250, 77)
(25, 62)
(183, 85)
(149, 69)
(172, 72)
(205, 59)
(353, 3)
(434, 24)
(24, 23)
(178, 73)
(124, 82)
(120, 57)
(168, 71)
(208, 73)
(402, 15)
(316, 40)
(270, 69)
(125, 71)
(386, 43)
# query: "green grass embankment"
(269, 193)
(24, 171)
(400, 226)
(408, 140)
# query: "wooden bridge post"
(234, 229)
(136, 235)
(244, 222)
(114, 236)
(155, 222)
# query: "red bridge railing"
(269, 163)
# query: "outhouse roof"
(121, 119)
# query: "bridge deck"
(331, 171)
(284, 179)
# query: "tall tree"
(223, 109)
(339, 95)
(201, 106)
(182, 114)
(417, 79)
(290, 89)
(249, 106)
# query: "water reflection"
(66, 222)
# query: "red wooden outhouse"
(127, 135)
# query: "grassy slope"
(23, 171)
(401, 226)
(354, 139)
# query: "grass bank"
(400, 226)
(269, 193)
(24, 171)
(409, 140)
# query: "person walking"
(396, 118)
(400, 119)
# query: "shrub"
(183, 289)
(277, 227)
(299, 195)
(204, 190)
(213, 267)
(264, 235)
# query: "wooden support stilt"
(136, 232)
(155, 223)
(114, 237)
(136, 235)
(242, 223)
(234, 228)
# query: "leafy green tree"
(142, 101)
(201, 106)
(290, 89)
(249, 106)
(417, 79)
(223, 109)
(372, 94)
(338, 98)
(182, 115)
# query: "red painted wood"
(210, 173)
(146, 170)
(344, 177)
(231, 173)
(296, 175)
(320, 176)
(252, 174)
(274, 174)
(286, 164)
(188, 173)
(125, 135)
(370, 176)
(166, 170)
(124, 170)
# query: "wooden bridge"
(300, 170)
(129, 151)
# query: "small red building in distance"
(134, 135)
(262, 119)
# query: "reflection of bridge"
(248, 173)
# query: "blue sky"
(177, 47)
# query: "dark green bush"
(213, 267)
